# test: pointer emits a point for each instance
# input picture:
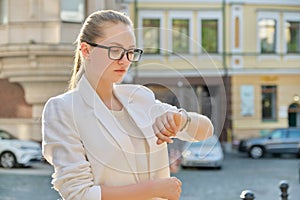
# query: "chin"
(119, 81)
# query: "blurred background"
(236, 61)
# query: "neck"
(105, 92)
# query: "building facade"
(36, 56)
(241, 59)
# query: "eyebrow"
(118, 44)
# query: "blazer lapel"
(109, 122)
(143, 112)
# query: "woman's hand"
(168, 188)
(167, 125)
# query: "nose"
(124, 60)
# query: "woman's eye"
(130, 52)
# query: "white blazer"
(86, 145)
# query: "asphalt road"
(238, 173)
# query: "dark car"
(278, 141)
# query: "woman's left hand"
(166, 126)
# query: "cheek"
(97, 63)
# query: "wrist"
(154, 188)
(186, 119)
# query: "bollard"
(283, 185)
(247, 195)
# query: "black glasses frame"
(125, 51)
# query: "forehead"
(118, 33)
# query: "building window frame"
(274, 16)
(269, 99)
(211, 15)
(151, 14)
(295, 17)
(72, 16)
(181, 15)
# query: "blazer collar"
(126, 94)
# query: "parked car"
(206, 153)
(278, 141)
(15, 152)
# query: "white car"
(15, 152)
(206, 153)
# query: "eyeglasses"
(117, 53)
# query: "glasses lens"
(134, 55)
(116, 53)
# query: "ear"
(85, 49)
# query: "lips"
(120, 70)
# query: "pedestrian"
(108, 140)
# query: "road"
(238, 173)
(261, 176)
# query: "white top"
(138, 140)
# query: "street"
(238, 173)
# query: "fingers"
(178, 184)
(171, 122)
(177, 181)
(163, 135)
(161, 139)
(170, 188)
(165, 126)
(162, 126)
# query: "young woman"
(107, 140)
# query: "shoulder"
(58, 104)
(60, 99)
(134, 91)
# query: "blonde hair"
(92, 29)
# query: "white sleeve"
(200, 126)
(63, 149)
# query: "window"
(210, 31)
(151, 36)
(180, 35)
(209, 35)
(294, 133)
(292, 36)
(269, 102)
(181, 32)
(278, 134)
(72, 10)
(267, 35)
(3, 12)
